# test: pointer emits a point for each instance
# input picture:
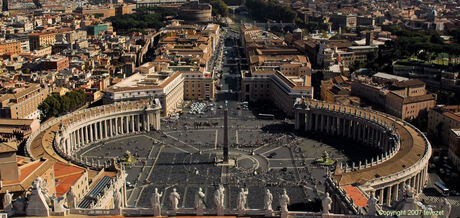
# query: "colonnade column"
(75, 139)
(91, 131)
(104, 133)
(395, 191)
(369, 135)
(116, 126)
(142, 121)
(132, 123)
(136, 123)
(374, 137)
(308, 117)
(80, 137)
(101, 129)
(122, 125)
(335, 128)
(71, 141)
(349, 123)
(388, 200)
(360, 132)
(381, 145)
(354, 129)
(67, 144)
(87, 134)
(148, 122)
(381, 196)
(316, 122)
(418, 183)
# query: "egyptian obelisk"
(225, 148)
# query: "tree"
(270, 10)
(56, 105)
(145, 17)
(219, 7)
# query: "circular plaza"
(182, 155)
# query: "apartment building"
(55, 63)
(277, 73)
(403, 99)
(168, 87)
(441, 120)
(23, 102)
(408, 98)
(10, 47)
(275, 87)
(179, 71)
(39, 40)
(198, 85)
(338, 89)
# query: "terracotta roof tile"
(354, 193)
(61, 170)
(63, 184)
(25, 171)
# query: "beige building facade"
(275, 87)
(441, 120)
(23, 103)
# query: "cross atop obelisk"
(225, 147)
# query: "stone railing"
(190, 211)
(77, 118)
(356, 112)
(92, 115)
(342, 194)
(412, 169)
(37, 132)
(385, 121)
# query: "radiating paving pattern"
(182, 156)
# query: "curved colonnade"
(85, 127)
(405, 151)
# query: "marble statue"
(58, 204)
(7, 201)
(409, 191)
(372, 205)
(219, 200)
(37, 204)
(174, 197)
(156, 202)
(116, 200)
(43, 186)
(284, 201)
(242, 199)
(199, 199)
(71, 199)
(326, 202)
(446, 207)
(268, 200)
(37, 183)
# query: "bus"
(266, 116)
(442, 189)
